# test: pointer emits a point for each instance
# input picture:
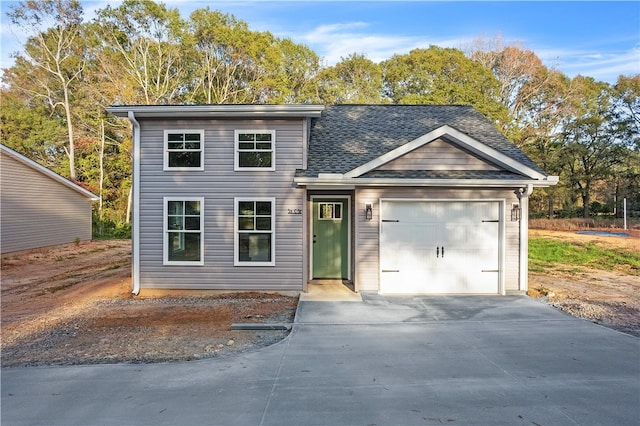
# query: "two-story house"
(396, 198)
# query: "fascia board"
(49, 173)
(222, 111)
(459, 139)
(479, 183)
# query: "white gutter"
(210, 111)
(135, 231)
(523, 195)
(339, 181)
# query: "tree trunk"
(102, 137)
(586, 201)
(71, 152)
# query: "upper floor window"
(183, 150)
(255, 150)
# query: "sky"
(590, 38)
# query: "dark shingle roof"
(347, 136)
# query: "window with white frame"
(255, 150)
(255, 231)
(330, 211)
(183, 231)
(184, 150)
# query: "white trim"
(458, 138)
(501, 290)
(523, 281)
(344, 183)
(165, 232)
(236, 231)
(222, 111)
(349, 229)
(135, 195)
(165, 155)
(49, 173)
(236, 150)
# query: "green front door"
(331, 238)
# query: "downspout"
(523, 196)
(135, 234)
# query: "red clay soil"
(73, 305)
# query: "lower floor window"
(183, 231)
(254, 231)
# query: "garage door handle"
(443, 252)
(438, 251)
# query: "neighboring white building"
(39, 208)
(428, 199)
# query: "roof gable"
(50, 174)
(461, 140)
(355, 138)
(439, 154)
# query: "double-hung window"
(183, 231)
(255, 150)
(254, 231)
(184, 150)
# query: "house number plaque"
(294, 211)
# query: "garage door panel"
(439, 247)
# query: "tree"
(353, 80)
(443, 76)
(292, 69)
(144, 39)
(591, 142)
(32, 131)
(226, 58)
(58, 52)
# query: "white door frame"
(314, 198)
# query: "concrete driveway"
(379, 361)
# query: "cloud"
(339, 40)
(602, 66)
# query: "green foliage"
(107, 229)
(546, 252)
(443, 76)
(354, 80)
(144, 52)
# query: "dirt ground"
(73, 305)
(609, 298)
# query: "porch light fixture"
(515, 212)
(368, 212)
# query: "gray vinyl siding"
(219, 184)
(438, 155)
(36, 211)
(367, 232)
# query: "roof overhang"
(336, 181)
(213, 111)
(49, 173)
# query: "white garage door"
(439, 247)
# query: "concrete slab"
(402, 361)
(329, 291)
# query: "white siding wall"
(219, 184)
(367, 243)
(36, 211)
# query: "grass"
(574, 257)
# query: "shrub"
(107, 229)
